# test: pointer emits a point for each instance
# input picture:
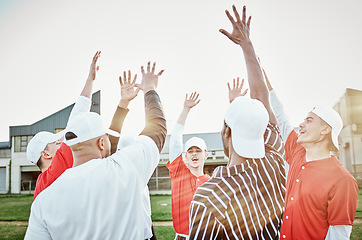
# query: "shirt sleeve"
(83, 104)
(342, 201)
(176, 166)
(176, 145)
(339, 232)
(282, 118)
(36, 227)
(142, 154)
(272, 139)
(62, 160)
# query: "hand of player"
(241, 28)
(93, 67)
(128, 88)
(149, 79)
(236, 90)
(192, 101)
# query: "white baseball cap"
(87, 126)
(195, 142)
(38, 143)
(332, 118)
(247, 119)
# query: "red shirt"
(183, 187)
(319, 194)
(62, 160)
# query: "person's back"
(252, 193)
(98, 194)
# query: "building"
(349, 107)
(4, 166)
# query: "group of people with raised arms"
(93, 183)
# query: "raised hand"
(128, 88)
(241, 28)
(149, 78)
(192, 101)
(93, 67)
(236, 90)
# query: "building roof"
(57, 120)
(4, 145)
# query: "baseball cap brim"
(248, 148)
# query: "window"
(20, 143)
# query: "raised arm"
(282, 118)
(155, 127)
(176, 146)
(240, 36)
(128, 92)
(87, 90)
(83, 103)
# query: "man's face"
(52, 148)
(311, 129)
(195, 157)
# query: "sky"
(311, 51)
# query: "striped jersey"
(244, 201)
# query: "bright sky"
(310, 49)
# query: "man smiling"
(185, 179)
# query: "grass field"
(15, 210)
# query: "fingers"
(148, 67)
(193, 97)
(160, 73)
(153, 67)
(120, 81)
(249, 20)
(243, 20)
(124, 76)
(230, 17)
(244, 93)
(229, 86)
(242, 84)
(229, 35)
(134, 79)
(149, 70)
(237, 16)
(96, 56)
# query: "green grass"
(15, 207)
(161, 208)
(164, 232)
(12, 232)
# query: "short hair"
(39, 163)
(70, 136)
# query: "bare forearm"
(257, 85)
(258, 88)
(155, 127)
(87, 90)
(182, 118)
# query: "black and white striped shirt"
(244, 201)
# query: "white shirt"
(100, 199)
